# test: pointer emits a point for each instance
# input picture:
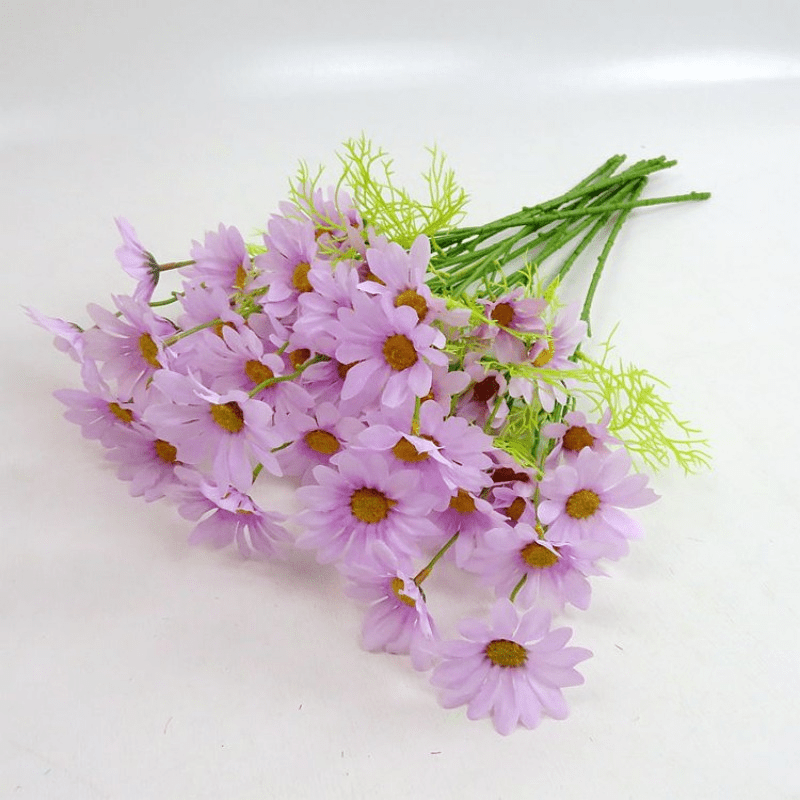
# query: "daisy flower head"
(136, 261)
(514, 312)
(392, 351)
(222, 260)
(576, 433)
(513, 668)
(582, 501)
(315, 438)
(552, 352)
(357, 500)
(291, 252)
(398, 275)
(551, 576)
(231, 432)
(483, 402)
(146, 462)
(225, 515)
(129, 348)
(398, 620)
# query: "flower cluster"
(424, 423)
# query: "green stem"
(515, 590)
(189, 331)
(290, 377)
(425, 571)
(173, 265)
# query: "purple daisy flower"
(575, 433)
(136, 261)
(222, 260)
(291, 252)
(146, 461)
(582, 501)
(128, 347)
(398, 620)
(99, 412)
(554, 576)
(69, 336)
(228, 516)
(470, 517)
(400, 275)
(449, 452)
(315, 437)
(232, 431)
(514, 668)
(393, 351)
(359, 500)
(553, 353)
(516, 313)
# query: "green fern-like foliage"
(640, 417)
(368, 175)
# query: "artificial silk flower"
(416, 380)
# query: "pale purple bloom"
(512, 669)
(334, 288)
(69, 336)
(315, 437)
(393, 351)
(398, 620)
(234, 517)
(470, 516)
(582, 501)
(554, 576)
(576, 433)
(129, 348)
(358, 500)
(99, 412)
(449, 452)
(552, 352)
(238, 360)
(401, 275)
(146, 461)
(136, 261)
(231, 431)
(517, 313)
(291, 252)
(222, 261)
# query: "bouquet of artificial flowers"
(426, 386)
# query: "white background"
(134, 666)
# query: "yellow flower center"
(257, 372)
(503, 314)
(149, 351)
(546, 356)
(537, 556)
(220, 326)
(576, 438)
(514, 511)
(124, 414)
(370, 505)
(405, 451)
(300, 279)
(298, 357)
(463, 502)
(241, 278)
(165, 451)
(399, 352)
(322, 442)
(582, 504)
(228, 415)
(397, 588)
(412, 298)
(505, 653)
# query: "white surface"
(132, 666)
